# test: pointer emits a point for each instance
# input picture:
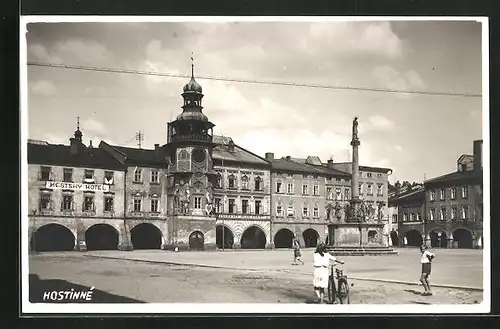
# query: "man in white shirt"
(426, 260)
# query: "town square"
(229, 163)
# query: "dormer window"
(88, 177)
(463, 167)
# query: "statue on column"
(355, 128)
(371, 211)
(337, 208)
(183, 197)
(380, 213)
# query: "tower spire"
(192, 64)
(77, 123)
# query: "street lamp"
(33, 239)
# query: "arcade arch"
(53, 237)
(102, 237)
(253, 238)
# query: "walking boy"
(296, 252)
(426, 260)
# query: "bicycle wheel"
(343, 292)
(331, 290)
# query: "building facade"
(242, 198)
(447, 212)
(75, 197)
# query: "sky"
(416, 136)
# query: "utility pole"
(139, 137)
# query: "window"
(89, 176)
(257, 207)
(279, 211)
(339, 180)
(108, 204)
(464, 212)
(45, 173)
(370, 189)
(244, 206)
(369, 174)
(289, 188)
(379, 175)
(347, 194)
(278, 187)
(232, 181)
(304, 175)
(305, 189)
(232, 206)
(360, 174)
(258, 183)
(218, 208)
(244, 182)
(67, 175)
(453, 193)
(412, 217)
(405, 217)
(154, 205)
(290, 175)
(394, 218)
(442, 214)
(329, 193)
(155, 177)
(316, 212)
(432, 214)
(109, 177)
(67, 203)
(88, 203)
(442, 194)
(316, 190)
(432, 195)
(290, 212)
(380, 190)
(137, 205)
(465, 192)
(138, 175)
(315, 176)
(218, 181)
(454, 213)
(45, 202)
(197, 202)
(338, 194)
(419, 217)
(305, 212)
(463, 167)
(360, 189)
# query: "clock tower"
(190, 174)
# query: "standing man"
(296, 252)
(426, 260)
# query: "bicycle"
(342, 293)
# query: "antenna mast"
(139, 137)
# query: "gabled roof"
(415, 194)
(60, 155)
(237, 154)
(456, 176)
(333, 172)
(292, 166)
(140, 157)
(367, 168)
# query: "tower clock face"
(199, 155)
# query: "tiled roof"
(137, 156)
(60, 155)
(223, 140)
(417, 193)
(292, 166)
(238, 154)
(456, 176)
(333, 172)
(367, 168)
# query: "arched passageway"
(283, 238)
(196, 240)
(101, 237)
(310, 238)
(462, 238)
(394, 238)
(146, 236)
(253, 238)
(53, 237)
(438, 239)
(413, 238)
(223, 233)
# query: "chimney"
(90, 145)
(478, 155)
(288, 157)
(269, 156)
(330, 164)
(157, 149)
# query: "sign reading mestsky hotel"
(77, 186)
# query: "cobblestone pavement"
(167, 283)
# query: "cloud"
(93, 126)
(55, 139)
(71, 51)
(398, 148)
(388, 77)
(44, 88)
(40, 53)
(379, 122)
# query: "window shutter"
(93, 206)
(62, 205)
(51, 175)
(72, 205)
